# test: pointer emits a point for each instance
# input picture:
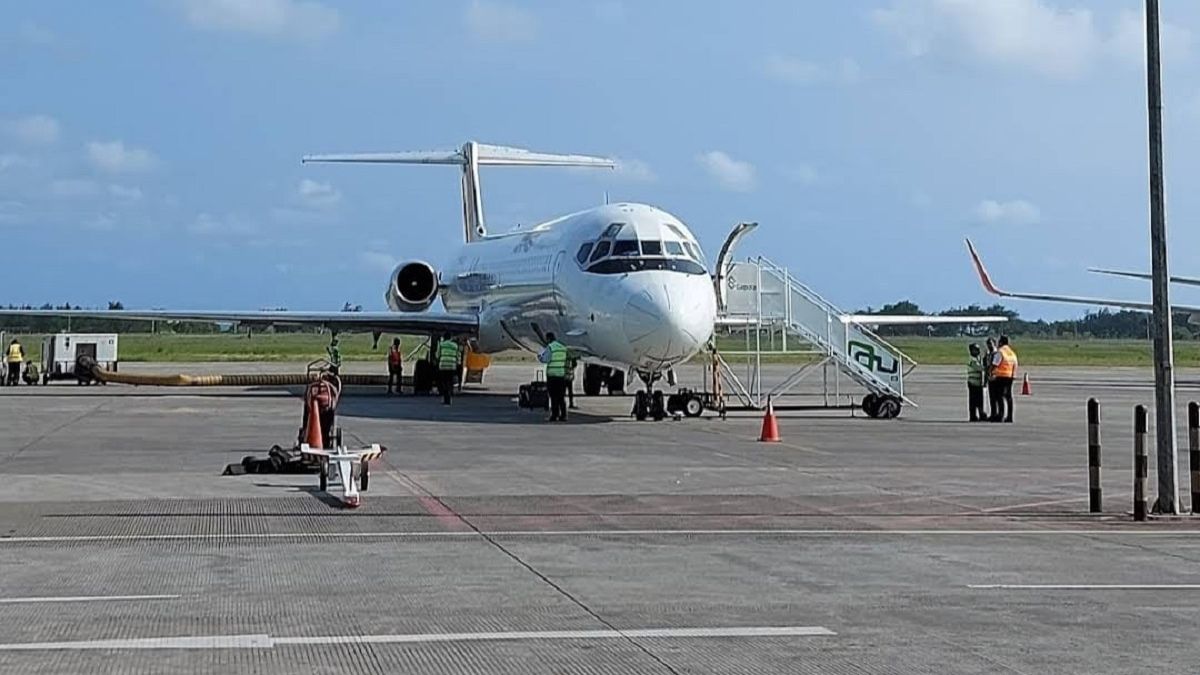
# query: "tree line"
(1103, 323)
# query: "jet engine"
(413, 287)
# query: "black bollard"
(1095, 493)
(1194, 452)
(1141, 464)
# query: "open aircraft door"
(725, 261)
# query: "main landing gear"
(649, 403)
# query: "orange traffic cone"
(770, 426)
(1026, 390)
(313, 432)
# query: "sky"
(150, 150)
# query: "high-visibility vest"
(394, 356)
(974, 372)
(335, 356)
(14, 353)
(1008, 363)
(557, 365)
(447, 355)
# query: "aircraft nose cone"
(658, 327)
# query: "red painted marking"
(447, 518)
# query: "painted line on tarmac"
(587, 533)
(86, 598)
(263, 641)
(1085, 587)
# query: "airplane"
(625, 286)
(1184, 281)
(993, 289)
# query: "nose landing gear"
(649, 403)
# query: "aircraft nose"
(657, 325)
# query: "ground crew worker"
(989, 354)
(975, 380)
(335, 356)
(555, 356)
(395, 365)
(1004, 370)
(14, 358)
(571, 363)
(447, 361)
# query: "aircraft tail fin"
(470, 157)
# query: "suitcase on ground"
(534, 395)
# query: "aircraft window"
(651, 248)
(625, 247)
(676, 231)
(674, 248)
(584, 250)
(694, 250)
(612, 230)
(601, 250)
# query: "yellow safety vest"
(557, 366)
(14, 353)
(447, 355)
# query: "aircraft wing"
(375, 322)
(991, 287)
(918, 319)
(1186, 281)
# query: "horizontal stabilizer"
(485, 155)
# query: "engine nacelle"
(413, 287)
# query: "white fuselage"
(623, 284)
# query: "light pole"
(1164, 375)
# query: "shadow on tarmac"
(473, 407)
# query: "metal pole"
(1164, 377)
(1194, 452)
(1141, 463)
(1095, 493)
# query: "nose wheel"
(649, 403)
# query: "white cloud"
(499, 22)
(635, 170)
(299, 19)
(730, 173)
(800, 72)
(10, 160)
(804, 174)
(124, 193)
(317, 195)
(1129, 39)
(377, 261)
(74, 188)
(1014, 212)
(231, 225)
(1032, 34)
(32, 130)
(114, 157)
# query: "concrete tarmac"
(490, 541)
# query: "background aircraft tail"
(470, 157)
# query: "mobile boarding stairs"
(777, 313)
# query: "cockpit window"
(694, 251)
(625, 247)
(584, 250)
(674, 248)
(601, 250)
(651, 247)
(676, 231)
(612, 230)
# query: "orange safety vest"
(394, 356)
(1008, 363)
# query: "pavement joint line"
(264, 641)
(1050, 502)
(85, 598)
(467, 534)
(1084, 587)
